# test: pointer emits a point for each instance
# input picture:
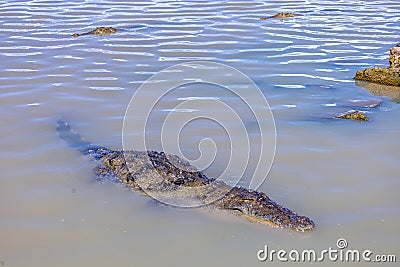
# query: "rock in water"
(354, 115)
(386, 76)
(394, 58)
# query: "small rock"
(394, 57)
(353, 115)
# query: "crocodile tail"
(75, 140)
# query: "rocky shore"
(386, 76)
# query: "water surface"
(342, 174)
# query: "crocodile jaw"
(258, 207)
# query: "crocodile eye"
(237, 209)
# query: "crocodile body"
(280, 15)
(99, 31)
(157, 173)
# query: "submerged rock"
(353, 115)
(354, 103)
(386, 76)
(392, 92)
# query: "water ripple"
(324, 45)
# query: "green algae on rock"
(386, 76)
(354, 115)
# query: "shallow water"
(342, 174)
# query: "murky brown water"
(344, 175)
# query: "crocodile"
(138, 170)
(99, 31)
(280, 15)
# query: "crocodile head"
(258, 207)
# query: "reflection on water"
(344, 175)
